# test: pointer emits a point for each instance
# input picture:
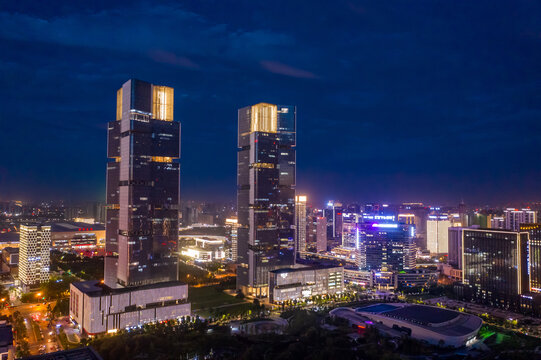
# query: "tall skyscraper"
(321, 234)
(265, 194)
(141, 272)
(515, 217)
(142, 187)
(34, 254)
(386, 246)
(300, 225)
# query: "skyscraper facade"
(34, 254)
(265, 194)
(515, 217)
(143, 177)
(437, 241)
(321, 234)
(300, 225)
(494, 264)
(140, 281)
(534, 254)
(386, 246)
(231, 228)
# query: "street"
(41, 336)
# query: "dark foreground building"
(266, 194)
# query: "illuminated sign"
(386, 226)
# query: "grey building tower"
(265, 194)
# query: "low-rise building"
(76, 236)
(389, 279)
(288, 284)
(434, 325)
(204, 248)
(97, 308)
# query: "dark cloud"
(428, 100)
(283, 69)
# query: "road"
(42, 339)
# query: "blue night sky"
(397, 100)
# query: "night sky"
(396, 100)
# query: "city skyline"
(388, 111)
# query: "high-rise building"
(455, 247)
(143, 178)
(386, 246)
(497, 222)
(534, 254)
(437, 233)
(515, 217)
(232, 226)
(34, 254)
(349, 229)
(300, 225)
(333, 212)
(265, 194)
(495, 265)
(321, 234)
(142, 187)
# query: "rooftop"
(96, 288)
(68, 226)
(424, 315)
(307, 268)
(442, 321)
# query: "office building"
(534, 254)
(497, 222)
(265, 194)
(495, 266)
(143, 174)
(34, 255)
(349, 229)
(386, 246)
(333, 213)
(515, 217)
(231, 228)
(288, 284)
(321, 234)
(100, 309)
(300, 225)
(142, 187)
(437, 234)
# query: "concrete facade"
(97, 308)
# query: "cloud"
(172, 59)
(283, 69)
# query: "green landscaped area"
(210, 297)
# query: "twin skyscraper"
(143, 181)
